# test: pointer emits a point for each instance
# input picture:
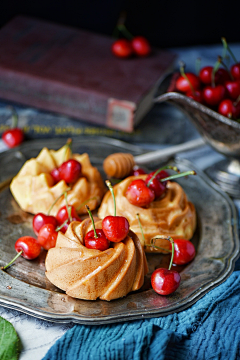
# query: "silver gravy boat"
(221, 133)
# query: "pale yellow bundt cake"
(35, 191)
(172, 215)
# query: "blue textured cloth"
(210, 329)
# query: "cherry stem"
(225, 44)
(12, 261)
(236, 101)
(215, 68)
(198, 65)
(68, 145)
(85, 202)
(68, 207)
(113, 196)
(14, 117)
(122, 28)
(158, 171)
(192, 172)
(55, 201)
(182, 72)
(91, 217)
(171, 241)
(62, 225)
(140, 225)
(225, 67)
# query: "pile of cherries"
(130, 45)
(217, 87)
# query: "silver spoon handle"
(161, 154)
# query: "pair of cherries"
(130, 45)
(69, 171)
(46, 227)
(114, 229)
(166, 281)
(142, 192)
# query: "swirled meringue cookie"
(172, 215)
(35, 191)
(90, 274)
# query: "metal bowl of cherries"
(211, 101)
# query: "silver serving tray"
(25, 288)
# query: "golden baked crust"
(34, 190)
(90, 274)
(173, 215)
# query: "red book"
(73, 72)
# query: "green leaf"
(9, 341)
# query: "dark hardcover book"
(73, 72)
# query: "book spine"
(66, 99)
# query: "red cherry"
(55, 174)
(205, 75)
(221, 76)
(137, 171)
(62, 214)
(139, 194)
(29, 246)
(233, 89)
(196, 95)
(41, 219)
(70, 171)
(184, 251)
(182, 84)
(47, 236)
(13, 137)
(213, 95)
(115, 228)
(229, 109)
(122, 48)
(165, 281)
(235, 71)
(141, 46)
(99, 243)
(155, 184)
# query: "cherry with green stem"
(95, 239)
(27, 247)
(41, 219)
(166, 281)
(140, 194)
(115, 227)
(14, 136)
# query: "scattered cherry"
(70, 171)
(41, 219)
(47, 236)
(184, 251)
(95, 239)
(141, 46)
(26, 246)
(115, 227)
(65, 215)
(14, 136)
(166, 281)
(122, 48)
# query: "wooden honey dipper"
(120, 165)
